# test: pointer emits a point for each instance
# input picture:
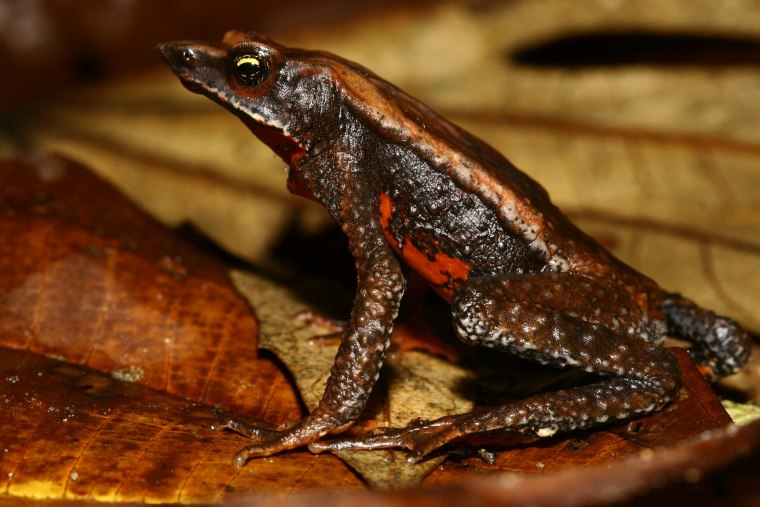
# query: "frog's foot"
(722, 346)
(268, 439)
(268, 442)
(420, 438)
(272, 444)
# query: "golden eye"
(250, 69)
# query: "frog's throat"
(275, 134)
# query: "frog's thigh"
(556, 318)
(555, 323)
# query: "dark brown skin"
(407, 185)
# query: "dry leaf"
(87, 278)
(67, 432)
(742, 413)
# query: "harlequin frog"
(408, 186)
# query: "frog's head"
(278, 92)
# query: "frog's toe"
(259, 450)
(275, 442)
(266, 441)
(419, 438)
(241, 458)
(255, 432)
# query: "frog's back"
(520, 204)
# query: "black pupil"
(250, 69)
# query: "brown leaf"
(68, 432)
(86, 277)
(713, 469)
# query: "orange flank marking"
(444, 273)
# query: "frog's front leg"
(561, 319)
(380, 285)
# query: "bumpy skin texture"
(405, 184)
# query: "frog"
(415, 193)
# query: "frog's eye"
(250, 69)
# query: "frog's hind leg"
(562, 320)
(721, 344)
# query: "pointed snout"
(188, 55)
(199, 66)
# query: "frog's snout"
(180, 55)
(190, 54)
(195, 63)
(167, 50)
